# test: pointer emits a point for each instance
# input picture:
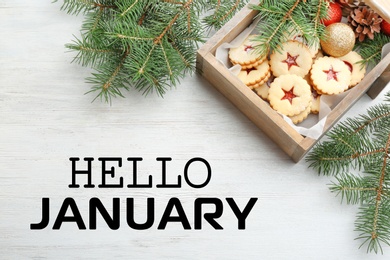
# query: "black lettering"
(135, 184)
(69, 203)
(208, 173)
(174, 202)
(111, 172)
(209, 217)
(241, 216)
(88, 172)
(45, 215)
(96, 205)
(149, 215)
(164, 175)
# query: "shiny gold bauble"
(339, 39)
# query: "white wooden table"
(46, 119)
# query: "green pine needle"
(361, 143)
(371, 50)
(149, 45)
(279, 19)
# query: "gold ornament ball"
(339, 39)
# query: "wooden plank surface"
(46, 118)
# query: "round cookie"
(265, 79)
(330, 76)
(254, 75)
(292, 58)
(289, 95)
(319, 55)
(263, 89)
(314, 48)
(249, 66)
(357, 70)
(315, 102)
(245, 54)
(301, 116)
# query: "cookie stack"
(255, 70)
(293, 77)
(290, 95)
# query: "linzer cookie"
(245, 54)
(313, 48)
(357, 70)
(255, 76)
(315, 102)
(249, 66)
(330, 76)
(263, 89)
(292, 58)
(319, 55)
(289, 95)
(301, 116)
(264, 80)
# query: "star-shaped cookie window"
(289, 95)
(291, 60)
(331, 74)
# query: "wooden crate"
(259, 111)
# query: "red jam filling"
(349, 65)
(314, 93)
(289, 95)
(331, 74)
(248, 48)
(291, 60)
(249, 70)
(270, 80)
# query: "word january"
(113, 220)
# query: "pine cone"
(348, 5)
(365, 22)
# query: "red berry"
(335, 13)
(385, 27)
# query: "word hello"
(134, 161)
(174, 211)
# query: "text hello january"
(174, 212)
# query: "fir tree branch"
(188, 20)
(318, 15)
(103, 6)
(351, 156)
(223, 11)
(169, 26)
(77, 6)
(163, 37)
(234, 7)
(363, 141)
(115, 73)
(182, 56)
(129, 37)
(373, 221)
(142, 69)
(284, 19)
(371, 50)
(97, 19)
(89, 54)
(353, 189)
(166, 60)
(383, 170)
(129, 8)
(279, 20)
(369, 122)
(217, 8)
